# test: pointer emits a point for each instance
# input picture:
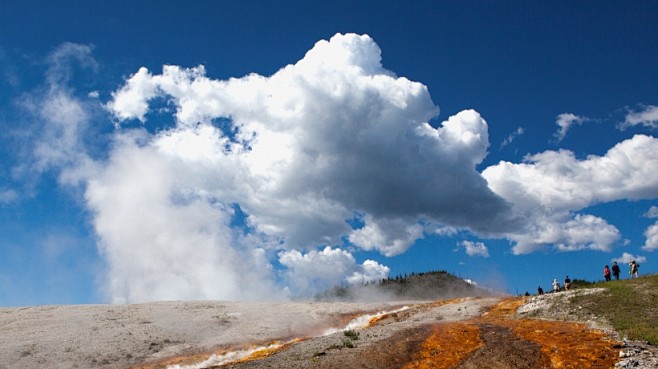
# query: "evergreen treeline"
(432, 285)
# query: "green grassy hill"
(630, 305)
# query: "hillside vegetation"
(432, 285)
(630, 305)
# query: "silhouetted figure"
(567, 283)
(615, 270)
(540, 291)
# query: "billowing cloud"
(475, 248)
(565, 121)
(626, 258)
(647, 117)
(389, 237)
(651, 234)
(299, 152)
(248, 177)
(369, 271)
(551, 186)
(332, 134)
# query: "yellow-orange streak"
(569, 345)
(193, 359)
(566, 344)
(438, 303)
(506, 308)
(446, 346)
(426, 306)
(268, 351)
(180, 360)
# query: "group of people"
(633, 271)
(608, 273)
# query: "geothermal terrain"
(479, 331)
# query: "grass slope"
(630, 305)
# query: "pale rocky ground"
(125, 336)
(129, 336)
(122, 336)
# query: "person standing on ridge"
(615, 270)
(606, 273)
(556, 286)
(567, 283)
(634, 266)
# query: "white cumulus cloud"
(389, 237)
(550, 187)
(651, 234)
(626, 258)
(475, 248)
(332, 135)
(652, 212)
(647, 116)
(319, 270)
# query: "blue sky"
(288, 146)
